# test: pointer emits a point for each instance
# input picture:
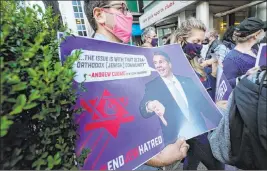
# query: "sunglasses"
(119, 6)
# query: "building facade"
(73, 16)
(166, 16)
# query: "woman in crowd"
(149, 37)
(243, 57)
(227, 39)
(190, 36)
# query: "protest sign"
(137, 101)
(262, 55)
(223, 87)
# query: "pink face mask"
(122, 28)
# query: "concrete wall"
(202, 12)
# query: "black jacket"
(248, 126)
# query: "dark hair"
(89, 6)
(165, 55)
(168, 39)
(228, 35)
(166, 36)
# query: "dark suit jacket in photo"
(158, 90)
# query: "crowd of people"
(240, 139)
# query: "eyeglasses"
(119, 6)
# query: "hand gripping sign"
(116, 131)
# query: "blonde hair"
(238, 38)
(183, 32)
(196, 66)
(214, 33)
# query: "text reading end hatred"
(133, 154)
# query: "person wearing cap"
(243, 57)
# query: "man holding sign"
(104, 16)
(177, 101)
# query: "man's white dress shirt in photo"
(187, 130)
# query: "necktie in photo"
(180, 100)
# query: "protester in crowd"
(240, 138)
(204, 49)
(227, 39)
(216, 47)
(103, 16)
(239, 60)
(190, 36)
(149, 37)
(111, 20)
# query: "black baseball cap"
(250, 26)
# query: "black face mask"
(192, 50)
(206, 41)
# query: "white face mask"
(260, 36)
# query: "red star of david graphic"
(101, 115)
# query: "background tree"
(37, 129)
(55, 10)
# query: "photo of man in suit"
(177, 101)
